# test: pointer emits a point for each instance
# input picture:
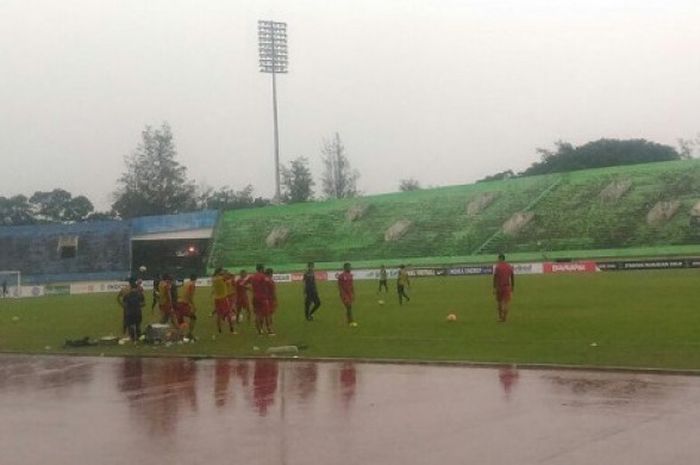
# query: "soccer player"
(310, 293)
(185, 307)
(165, 299)
(120, 300)
(222, 309)
(272, 299)
(132, 301)
(401, 283)
(347, 292)
(173, 292)
(382, 279)
(230, 280)
(156, 291)
(503, 286)
(260, 283)
(242, 302)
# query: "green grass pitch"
(637, 319)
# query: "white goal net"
(10, 284)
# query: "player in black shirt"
(156, 283)
(133, 301)
(311, 300)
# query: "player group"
(235, 298)
(232, 302)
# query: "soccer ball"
(451, 317)
(142, 268)
(380, 302)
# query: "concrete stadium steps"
(575, 218)
(321, 232)
(568, 215)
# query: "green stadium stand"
(570, 220)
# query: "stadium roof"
(204, 233)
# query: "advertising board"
(570, 267)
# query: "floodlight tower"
(272, 49)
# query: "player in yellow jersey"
(222, 310)
(402, 283)
(185, 307)
(165, 299)
(120, 300)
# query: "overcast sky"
(445, 91)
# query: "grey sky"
(444, 91)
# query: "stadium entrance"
(174, 244)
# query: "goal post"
(10, 283)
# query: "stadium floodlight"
(274, 59)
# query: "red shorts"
(504, 294)
(183, 310)
(346, 299)
(242, 302)
(262, 307)
(222, 307)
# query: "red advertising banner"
(570, 267)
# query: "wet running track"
(62, 410)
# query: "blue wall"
(104, 247)
(103, 251)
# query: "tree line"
(599, 154)
(155, 183)
(56, 206)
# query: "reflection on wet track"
(59, 410)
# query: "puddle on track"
(64, 410)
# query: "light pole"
(272, 49)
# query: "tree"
(226, 198)
(16, 211)
(100, 216)
(339, 179)
(410, 184)
(600, 153)
(689, 148)
(154, 183)
(507, 174)
(297, 182)
(59, 206)
(78, 209)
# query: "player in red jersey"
(242, 302)
(165, 301)
(230, 280)
(347, 292)
(261, 284)
(503, 286)
(272, 299)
